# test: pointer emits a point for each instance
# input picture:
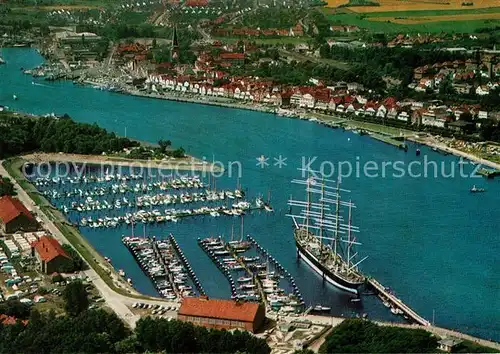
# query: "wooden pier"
(397, 303)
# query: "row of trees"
(361, 336)
(77, 263)
(25, 134)
(6, 187)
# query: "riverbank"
(184, 164)
(379, 132)
(210, 101)
(433, 143)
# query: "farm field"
(410, 5)
(458, 21)
(425, 19)
(449, 25)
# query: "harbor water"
(430, 240)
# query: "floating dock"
(397, 303)
(281, 270)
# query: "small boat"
(244, 279)
(474, 189)
(417, 152)
(121, 272)
(319, 308)
(14, 97)
(357, 299)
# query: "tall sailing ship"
(324, 239)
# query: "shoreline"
(187, 164)
(376, 134)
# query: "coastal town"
(139, 260)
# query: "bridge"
(397, 303)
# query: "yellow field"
(336, 3)
(416, 5)
(418, 20)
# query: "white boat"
(244, 279)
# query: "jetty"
(397, 303)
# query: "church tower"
(175, 46)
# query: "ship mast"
(322, 214)
(337, 214)
(349, 235)
(308, 204)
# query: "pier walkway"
(395, 302)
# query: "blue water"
(429, 239)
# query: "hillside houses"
(329, 100)
(465, 76)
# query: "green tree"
(164, 144)
(76, 298)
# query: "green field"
(421, 13)
(363, 21)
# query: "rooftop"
(11, 208)
(216, 308)
(48, 248)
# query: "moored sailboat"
(318, 235)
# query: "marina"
(254, 274)
(111, 200)
(397, 238)
(167, 268)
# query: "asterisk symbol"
(280, 161)
(262, 161)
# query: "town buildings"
(49, 254)
(222, 314)
(14, 216)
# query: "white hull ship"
(322, 237)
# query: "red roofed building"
(50, 255)
(222, 314)
(10, 320)
(15, 217)
(234, 58)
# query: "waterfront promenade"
(377, 131)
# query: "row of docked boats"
(255, 281)
(78, 193)
(159, 261)
(92, 203)
(157, 216)
(123, 181)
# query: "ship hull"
(325, 273)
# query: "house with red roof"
(222, 314)
(10, 320)
(14, 216)
(233, 58)
(50, 256)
